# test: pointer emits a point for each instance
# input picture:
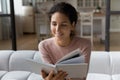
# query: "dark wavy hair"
(66, 9)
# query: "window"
(0, 6)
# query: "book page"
(74, 70)
(80, 59)
(38, 66)
(72, 54)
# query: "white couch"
(13, 66)
(104, 65)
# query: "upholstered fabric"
(99, 63)
(13, 65)
(104, 66)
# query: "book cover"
(72, 63)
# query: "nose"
(58, 28)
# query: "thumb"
(51, 74)
(68, 79)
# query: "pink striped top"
(52, 52)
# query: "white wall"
(0, 30)
(72, 2)
(28, 19)
(18, 17)
(115, 5)
(115, 19)
(115, 23)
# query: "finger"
(51, 74)
(44, 74)
(61, 74)
(68, 78)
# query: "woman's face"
(61, 26)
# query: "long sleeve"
(45, 53)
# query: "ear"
(73, 25)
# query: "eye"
(54, 24)
(64, 25)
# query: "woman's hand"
(51, 76)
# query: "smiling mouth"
(59, 35)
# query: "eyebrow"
(61, 22)
(65, 22)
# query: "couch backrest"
(16, 60)
(115, 62)
(4, 59)
(99, 62)
(105, 62)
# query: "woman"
(63, 19)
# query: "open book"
(72, 63)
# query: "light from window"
(0, 5)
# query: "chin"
(59, 38)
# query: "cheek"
(52, 30)
(69, 31)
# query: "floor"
(30, 42)
(26, 42)
(115, 41)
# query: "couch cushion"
(15, 62)
(34, 76)
(116, 77)
(18, 60)
(4, 59)
(21, 75)
(2, 73)
(37, 56)
(97, 76)
(99, 62)
(115, 62)
(16, 75)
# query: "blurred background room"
(32, 23)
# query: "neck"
(63, 43)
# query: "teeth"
(59, 34)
